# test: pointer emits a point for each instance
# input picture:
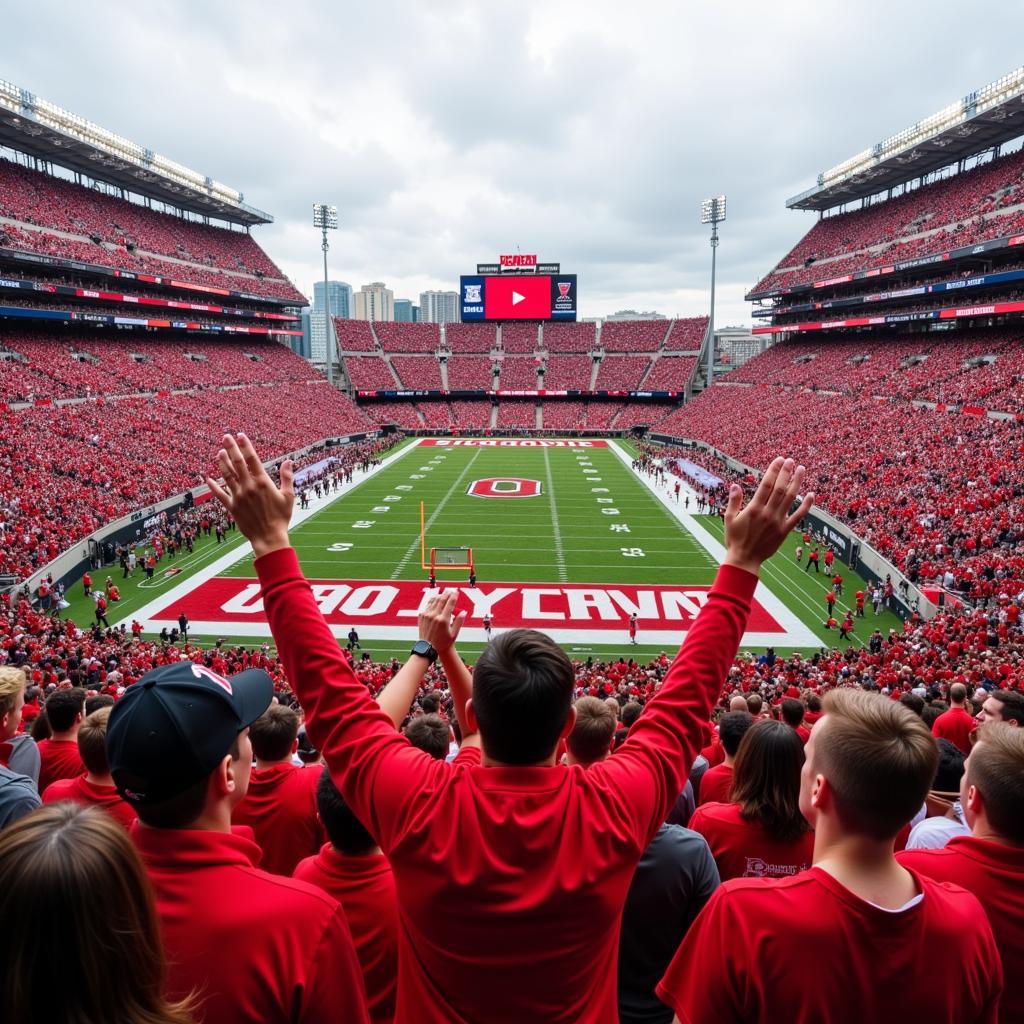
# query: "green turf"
(560, 536)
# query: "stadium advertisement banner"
(512, 393)
(141, 300)
(510, 442)
(125, 321)
(19, 256)
(517, 297)
(825, 531)
(589, 608)
(993, 309)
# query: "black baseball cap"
(174, 726)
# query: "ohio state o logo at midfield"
(504, 487)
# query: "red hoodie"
(511, 880)
(280, 807)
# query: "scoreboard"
(518, 288)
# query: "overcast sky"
(447, 133)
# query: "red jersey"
(743, 849)
(256, 948)
(81, 791)
(58, 759)
(955, 725)
(280, 807)
(807, 949)
(715, 784)
(500, 922)
(365, 888)
(993, 873)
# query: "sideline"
(797, 633)
(244, 550)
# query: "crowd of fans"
(691, 827)
(622, 373)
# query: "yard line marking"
(433, 516)
(563, 574)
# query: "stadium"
(553, 473)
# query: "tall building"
(375, 302)
(405, 311)
(318, 338)
(301, 346)
(439, 307)
(340, 294)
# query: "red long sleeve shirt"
(257, 948)
(511, 880)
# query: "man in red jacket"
(869, 764)
(58, 755)
(95, 787)
(956, 724)
(280, 805)
(512, 870)
(352, 869)
(990, 861)
(254, 948)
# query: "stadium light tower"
(326, 218)
(712, 211)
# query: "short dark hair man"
(717, 782)
(251, 945)
(1003, 706)
(58, 755)
(520, 868)
(280, 803)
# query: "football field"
(565, 537)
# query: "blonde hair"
(996, 768)
(879, 759)
(99, 923)
(12, 682)
(92, 741)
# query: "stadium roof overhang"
(43, 130)
(978, 122)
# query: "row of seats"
(973, 367)
(561, 372)
(681, 335)
(981, 190)
(69, 364)
(102, 460)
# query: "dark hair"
(914, 702)
(766, 779)
(273, 733)
(100, 700)
(1013, 705)
(732, 727)
(930, 713)
(430, 703)
(631, 711)
(181, 810)
(951, 767)
(72, 880)
(344, 830)
(958, 692)
(430, 734)
(813, 702)
(62, 706)
(792, 711)
(522, 692)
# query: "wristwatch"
(425, 650)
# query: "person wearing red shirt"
(351, 868)
(95, 787)
(990, 861)
(252, 947)
(792, 709)
(510, 868)
(762, 833)
(280, 804)
(956, 724)
(716, 782)
(859, 598)
(869, 765)
(58, 756)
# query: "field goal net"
(451, 558)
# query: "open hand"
(261, 509)
(437, 624)
(753, 534)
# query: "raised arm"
(650, 769)
(375, 768)
(439, 629)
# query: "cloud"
(448, 132)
